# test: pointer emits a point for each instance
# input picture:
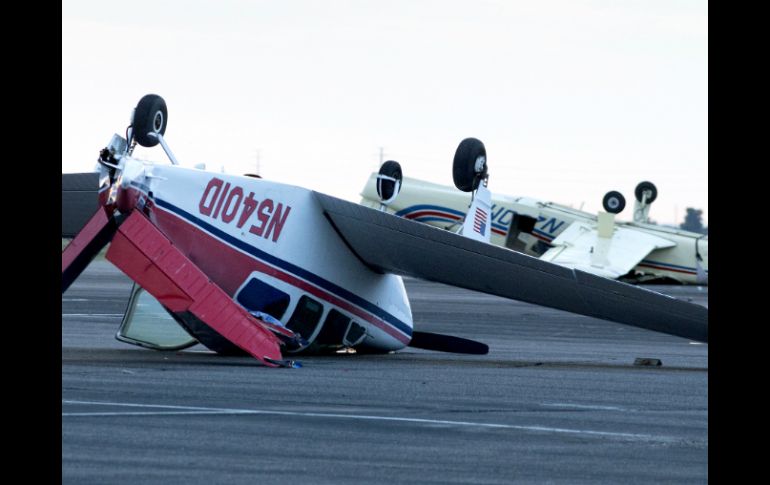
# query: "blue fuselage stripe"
(422, 207)
(434, 218)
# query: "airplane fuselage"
(445, 207)
(251, 237)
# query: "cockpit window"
(258, 296)
(305, 317)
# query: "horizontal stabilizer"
(387, 243)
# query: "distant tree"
(692, 221)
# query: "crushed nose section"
(141, 251)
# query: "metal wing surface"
(580, 247)
(392, 244)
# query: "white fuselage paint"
(299, 253)
(443, 206)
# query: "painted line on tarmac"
(194, 410)
(583, 406)
(92, 314)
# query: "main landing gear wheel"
(386, 188)
(470, 164)
(614, 202)
(642, 188)
(150, 116)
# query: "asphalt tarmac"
(558, 399)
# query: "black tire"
(386, 188)
(150, 116)
(642, 187)
(464, 173)
(614, 202)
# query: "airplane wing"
(580, 247)
(387, 243)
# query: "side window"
(261, 297)
(305, 317)
(334, 329)
(355, 335)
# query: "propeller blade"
(447, 343)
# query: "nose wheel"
(150, 120)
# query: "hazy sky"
(571, 98)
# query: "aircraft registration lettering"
(221, 200)
(550, 226)
(504, 217)
(552, 223)
(229, 216)
(266, 205)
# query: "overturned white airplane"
(250, 266)
(634, 251)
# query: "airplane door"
(520, 238)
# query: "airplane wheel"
(614, 202)
(465, 170)
(642, 187)
(151, 116)
(385, 188)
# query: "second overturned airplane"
(242, 264)
(635, 252)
